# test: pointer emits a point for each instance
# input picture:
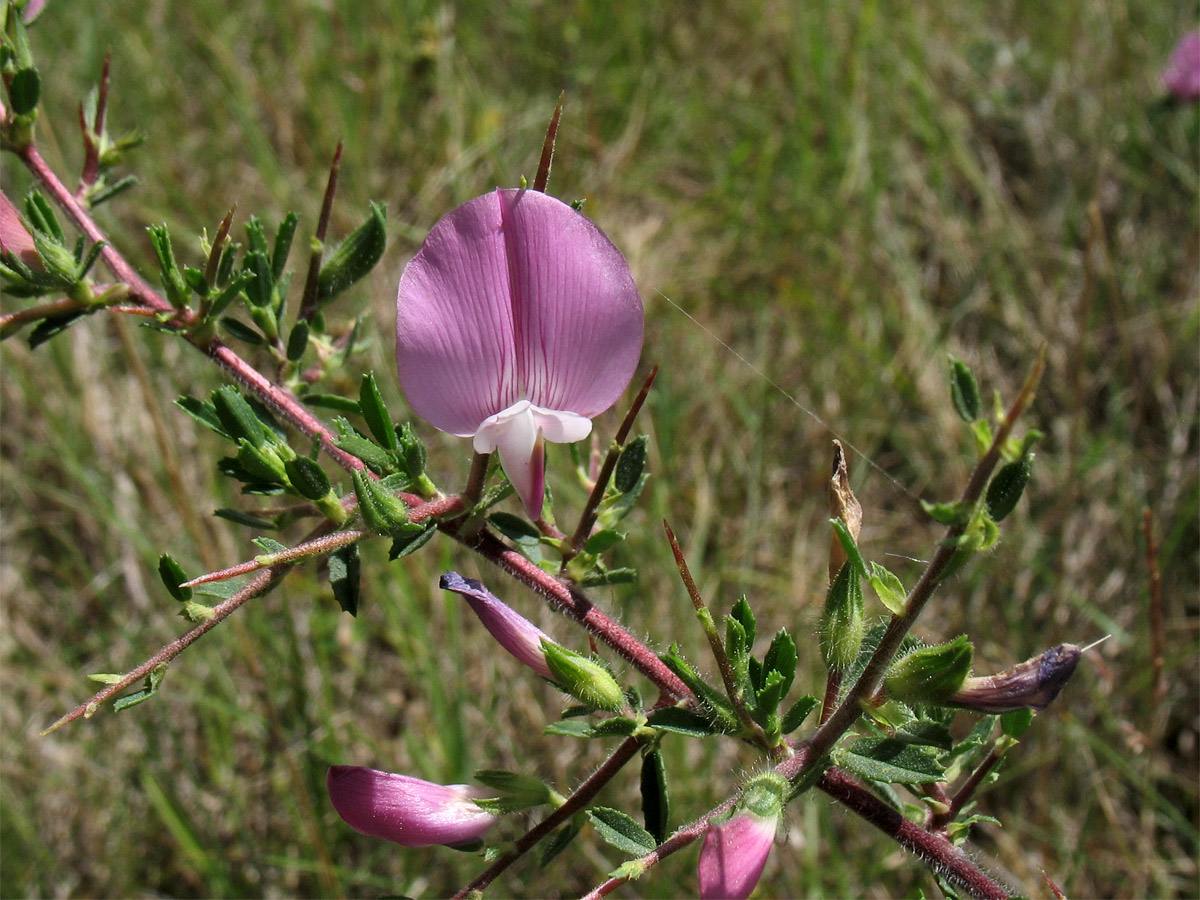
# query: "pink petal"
(733, 856)
(455, 345)
(515, 296)
(514, 632)
(14, 238)
(406, 810)
(1182, 74)
(578, 314)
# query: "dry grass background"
(844, 193)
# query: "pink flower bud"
(733, 856)
(14, 237)
(1181, 77)
(736, 850)
(409, 811)
(517, 635)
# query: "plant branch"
(278, 398)
(587, 518)
(871, 678)
(945, 858)
(732, 689)
(255, 587)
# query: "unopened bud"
(1032, 684)
(841, 628)
(584, 679)
(382, 511)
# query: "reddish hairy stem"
(571, 601)
(946, 859)
(963, 795)
(256, 586)
(281, 400)
(308, 304)
(543, 173)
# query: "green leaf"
(243, 332)
(238, 418)
(928, 733)
(681, 721)
(799, 711)
(1016, 723)
(297, 341)
(407, 543)
(376, 458)
(41, 216)
(631, 463)
(624, 575)
(355, 257)
(744, 614)
(617, 726)
(263, 464)
(781, 657)
(269, 545)
(240, 518)
(656, 801)
(964, 391)
(229, 293)
(52, 326)
(846, 539)
(569, 728)
(344, 577)
(24, 91)
(375, 413)
(258, 290)
(307, 478)
(946, 513)
(153, 680)
(620, 831)
(172, 278)
(411, 450)
(602, 541)
(891, 761)
(887, 588)
(515, 528)
(332, 401)
(1007, 486)
(172, 576)
(283, 244)
(560, 839)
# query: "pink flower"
(1181, 77)
(14, 237)
(517, 322)
(406, 810)
(733, 856)
(735, 851)
(517, 635)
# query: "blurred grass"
(844, 193)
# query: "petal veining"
(577, 315)
(455, 345)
